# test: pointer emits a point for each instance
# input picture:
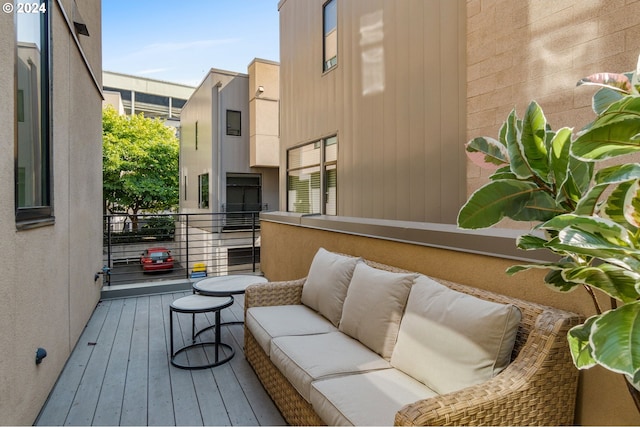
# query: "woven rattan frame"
(537, 388)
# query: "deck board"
(120, 374)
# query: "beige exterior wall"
(207, 107)
(47, 288)
(519, 51)
(396, 101)
(264, 113)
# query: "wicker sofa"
(320, 371)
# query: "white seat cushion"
(374, 306)
(450, 340)
(327, 282)
(266, 323)
(367, 399)
(306, 358)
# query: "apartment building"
(50, 188)
(378, 98)
(154, 98)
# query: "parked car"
(159, 258)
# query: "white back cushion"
(449, 340)
(327, 282)
(373, 307)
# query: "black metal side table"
(196, 304)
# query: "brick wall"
(519, 51)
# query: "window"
(244, 200)
(233, 123)
(312, 178)
(203, 191)
(33, 186)
(330, 40)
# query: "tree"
(140, 164)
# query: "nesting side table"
(195, 304)
(227, 286)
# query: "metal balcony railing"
(200, 244)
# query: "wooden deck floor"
(119, 372)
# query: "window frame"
(27, 217)
(239, 130)
(203, 191)
(332, 63)
(322, 166)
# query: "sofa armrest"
(274, 293)
(538, 387)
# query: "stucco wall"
(47, 288)
(287, 252)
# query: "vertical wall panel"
(384, 105)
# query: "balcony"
(119, 373)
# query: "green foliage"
(590, 220)
(140, 164)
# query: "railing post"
(253, 240)
(186, 230)
(109, 263)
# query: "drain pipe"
(218, 86)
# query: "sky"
(179, 41)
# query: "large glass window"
(33, 198)
(330, 29)
(312, 177)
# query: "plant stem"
(593, 297)
(635, 394)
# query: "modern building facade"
(154, 98)
(378, 98)
(50, 193)
(229, 142)
(373, 109)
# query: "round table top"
(221, 286)
(198, 303)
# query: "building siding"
(395, 100)
(47, 288)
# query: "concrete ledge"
(495, 242)
(145, 288)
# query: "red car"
(154, 259)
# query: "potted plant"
(588, 216)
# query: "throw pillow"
(450, 340)
(326, 286)
(373, 307)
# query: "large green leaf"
(601, 228)
(613, 133)
(505, 198)
(631, 205)
(611, 175)
(616, 282)
(579, 345)
(487, 153)
(615, 340)
(604, 98)
(559, 156)
(613, 207)
(517, 160)
(540, 207)
(532, 141)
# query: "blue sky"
(180, 40)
